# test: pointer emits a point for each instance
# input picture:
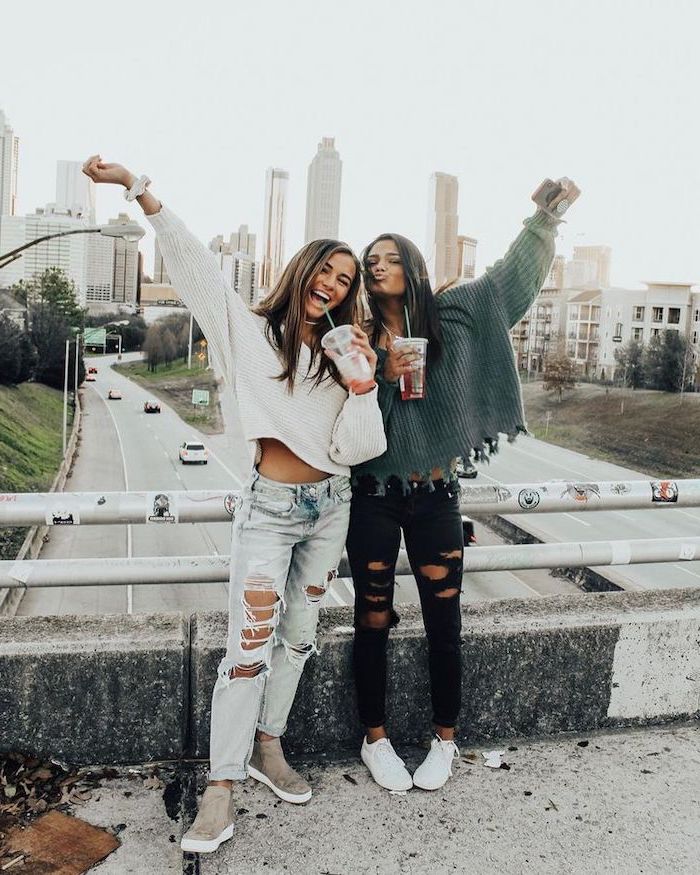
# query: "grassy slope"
(655, 433)
(174, 386)
(31, 417)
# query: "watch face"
(562, 206)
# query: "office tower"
(74, 190)
(466, 257)
(599, 258)
(555, 277)
(272, 260)
(9, 157)
(442, 229)
(126, 283)
(237, 262)
(99, 274)
(160, 274)
(323, 192)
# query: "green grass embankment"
(656, 433)
(31, 446)
(174, 385)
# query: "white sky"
(204, 97)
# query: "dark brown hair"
(419, 297)
(285, 308)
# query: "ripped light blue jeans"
(286, 539)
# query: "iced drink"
(412, 384)
(353, 365)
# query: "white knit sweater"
(323, 425)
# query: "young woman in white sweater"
(305, 431)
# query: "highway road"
(124, 448)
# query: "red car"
(92, 370)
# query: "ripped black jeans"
(432, 528)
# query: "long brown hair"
(419, 297)
(285, 309)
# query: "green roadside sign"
(200, 397)
(95, 336)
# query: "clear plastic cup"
(412, 384)
(353, 365)
(339, 340)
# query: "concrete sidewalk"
(618, 802)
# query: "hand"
(398, 361)
(98, 171)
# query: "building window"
(595, 314)
(573, 312)
(657, 314)
(694, 338)
(585, 311)
(674, 315)
(697, 315)
(638, 314)
(581, 352)
(571, 349)
(655, 332)
(617, 336)
(638, 334)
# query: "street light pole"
(77, 351)
(189, 345)
(65, 397)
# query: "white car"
(114, 394)
(193, 452)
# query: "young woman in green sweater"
(472, 394)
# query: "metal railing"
(209, 506)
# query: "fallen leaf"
(350, 779)
(153, 783)
(582, 743)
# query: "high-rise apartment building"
(160, 274)
(466, 257)
(126, 282)
(323, 192)
(237, 262)
(74, 190)
(99, 277)
(9, 159)
(442, 228)
(272, 261)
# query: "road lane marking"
(576, 519)
(687, 570)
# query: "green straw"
(328, 316)
(408, 321)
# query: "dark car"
(151, 407)
(466, 469)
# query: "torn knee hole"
(434, 572)
(377, 619)
(246, 671)
(378, 566)
(447, 593)
(314, 594)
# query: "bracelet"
(138, 188)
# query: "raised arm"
(192, 268)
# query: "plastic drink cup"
(353, 366)
(412, 384)
(339, 340)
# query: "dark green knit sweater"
(473, 392)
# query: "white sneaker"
(436, 768)
(385, 766)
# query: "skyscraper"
(323, 192)
(160, 274)
(127, 276)
(9, 157)
(272, 260)
(74, 190)
(237, 262)
(442, 228)
(599, 258)
(466, 257)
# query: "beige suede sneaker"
(268, 765)
(213, 824)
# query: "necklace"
(388, 330)
(309, 322)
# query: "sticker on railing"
(581, 491)
(528, 498)
(63, 515)
(161, 508)
(664, 491)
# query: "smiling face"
(385, 273)
(330, 286)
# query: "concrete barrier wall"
(127, 689)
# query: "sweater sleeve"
(515, 280)
(358, 433)
(196, 276)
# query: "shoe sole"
(298, 799)
(386, 786)
(199, 846)
(435, 787)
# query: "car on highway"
(151, 407)
(193, 453)
(114, 394)
(466, 469)
(90, 378)
(92, 370)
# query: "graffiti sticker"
(62, 515)
(485, 494)
(161, 508)
(232, 501)
(620, 489)
(664, 491)
(528, 498)
(581, 491)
